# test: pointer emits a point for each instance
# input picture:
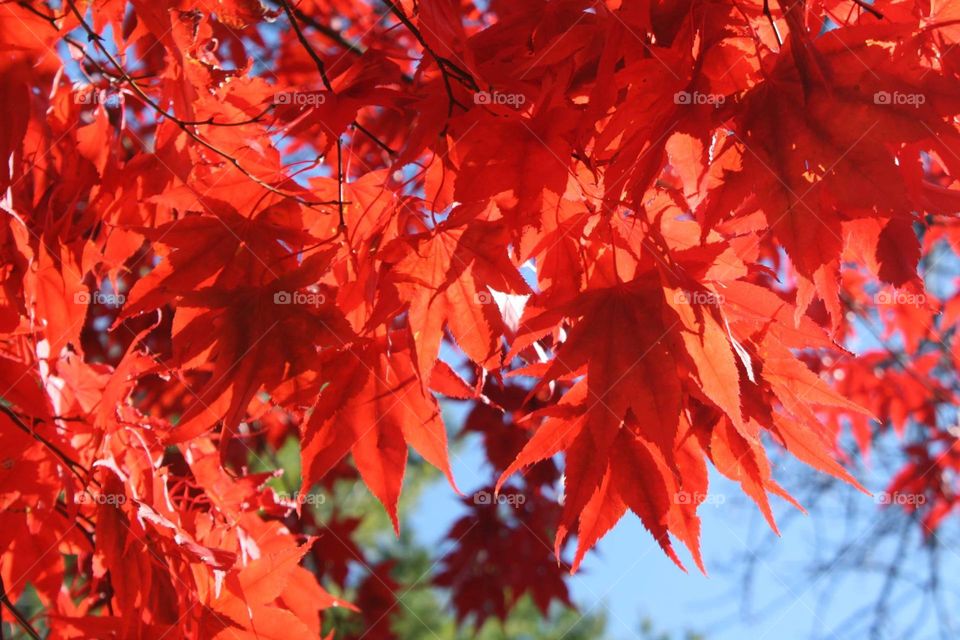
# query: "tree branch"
(447, 67)
(75, 467)
(20, 618)
(183, 125)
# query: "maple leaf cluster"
(635, 239)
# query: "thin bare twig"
(20, 618)
(75, 467)
(317, 60)
(446, 66)
(293, 16)
(183, 125)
